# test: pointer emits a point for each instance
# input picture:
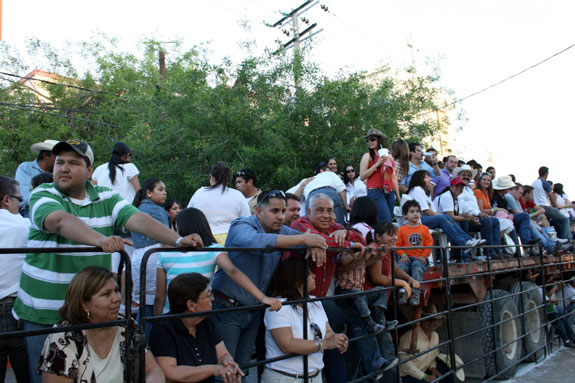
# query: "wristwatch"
(319, 345)
(178, 241)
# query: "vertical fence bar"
(305, 324)
(548, 347)
(450, 333)
(492, 308)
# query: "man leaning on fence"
(265, 229)
(71, 212)
(13, 233)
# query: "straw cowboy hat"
(376, 133)
(468, 168)
(460, 374)
(502, 183)
(44, 145)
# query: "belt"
(387, 190)
(231, 301)
(297, 376)
(323, 187)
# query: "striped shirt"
(46, 276)
(175, 264)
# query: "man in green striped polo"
(71, 212)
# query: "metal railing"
(520, 269)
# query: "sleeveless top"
(382, 177)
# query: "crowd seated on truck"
(405, 198)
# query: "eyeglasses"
(371, 139)
(17, 197)
(316, 331)
(271, 194)
(350, 171)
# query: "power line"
(501, 81)
(16, 106)
(39, 106)
(54, 83)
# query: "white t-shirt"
(445, 203)
(13, 233)
(122, 184)
(357, 190)
(423, 199)
(288, 316)
(320, 180)
(220, 208)
(468, 202)
(540, 196)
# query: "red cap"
(456, 181)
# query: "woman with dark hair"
(119, 174)
(363, 216)
(354, 186)
(377, 169)
(97, 354)
(419, 188)
(400, 154)
(191, 349)
(332, 164)
(284, 328)
(219, 203)
(563, 203)
(173, 207)
(149, 199)
(172, 264)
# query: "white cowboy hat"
(502, 183)
(44, 145)
(460, 374)
(465, 167)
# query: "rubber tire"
(509, 356)
(533, 319)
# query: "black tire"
(534, 319)
(506, 358)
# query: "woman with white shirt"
(220, 203)
(119, 173)
(284, 328)
(355, 187)
(418, 189)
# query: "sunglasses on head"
(240, 173)
(271, 194)
(371, 139)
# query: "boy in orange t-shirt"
(413, 262)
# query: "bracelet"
(262, 298)
(319, 345)
(403, 255)
(178, 241)
(494, 209)
(424, 376)
(350, 244)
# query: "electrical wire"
(460, 100)
(16, 106)
(39, 106)
(54, 83)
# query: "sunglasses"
(371, 139)
(240, 173)
(316, 331)
(19, 198)
(350, 171)
(271, 194)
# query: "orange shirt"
(414, 236)
(483, 196)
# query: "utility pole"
(293, 17)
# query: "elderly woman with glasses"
(285, 328)
(190, 349)
(355, 187)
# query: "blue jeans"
(568, 309)
(562, 327)
(238, 329)
(34, 346)
(490, 231)
(559, 221)
(522, 224)
(338, 208)
(13, 348)
(368, 347)
(385, 203)
(413, 268)
(547, 243)
(453, 231)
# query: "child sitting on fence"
(557, 320)
(413, 262)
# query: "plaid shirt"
(325, 273)
(353, 279)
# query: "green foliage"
(244, 114)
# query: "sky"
(517, 126)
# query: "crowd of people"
(60, 200)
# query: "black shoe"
(402, 298)
(371, 326)
(390, 325)
(414, 299)
(567, 344)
